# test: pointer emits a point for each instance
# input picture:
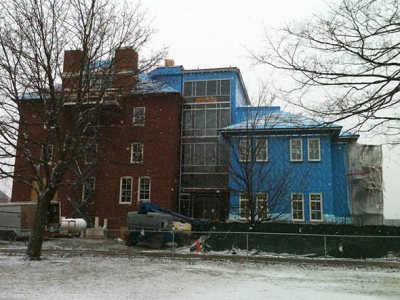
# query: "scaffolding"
(365, 184)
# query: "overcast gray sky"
(210, 33)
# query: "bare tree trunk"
(34, 249)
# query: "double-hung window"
(261, 150)
(314, 150)
(138, 116)
(136, 153)
(243, 206)
(297, 207)
(125, 192)
(296, 150)
(144, 189)
(244, 150)
(262, 205)
(315, 207)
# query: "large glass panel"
(211, 87)
(200, 88)
(187, 117)
(187, 157)
(199, 122)
(188, 88)
(225, 87)
(223, 158)
(198, 154)
(210, 154)
(225, 118)
(211, 118)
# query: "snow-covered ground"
(89, 277)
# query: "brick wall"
(160, 136)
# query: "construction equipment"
(156, 226)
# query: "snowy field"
(88, 277)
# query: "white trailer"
(16, 219)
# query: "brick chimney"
(72, 65)
(125, 68)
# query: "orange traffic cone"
(198, 246)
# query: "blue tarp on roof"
(148, 85)
(280, 120)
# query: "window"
(90, 153)
(207, 88)
(125, 194)
(296, 153)
(262, 205)
(315, 207)
(138, 116)
(88, 190)
(314, 150)
(244, 151)
(225, 87)
(261, 150)
(201, 88)
(136, 153)
(297, 207)
(47, 153)
(188, 88)
(243, 206)
(211, 87)
(144, 189)
(260, 209)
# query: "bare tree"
(351, 53)
(255, 173)
(35, 92)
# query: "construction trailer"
(16, 219)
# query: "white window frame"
(316, 201)
(133, 161)
(193, 84)
(90, 181)
(302, 203)
(259, 202)
(243, 198)
(140, 189)
(258, 153)
(309, 149)
(120, 190)
(292, 150)
(244, 156)
(137, 119)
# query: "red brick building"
(136, 148)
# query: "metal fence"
(250, 243)
(258, 243)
